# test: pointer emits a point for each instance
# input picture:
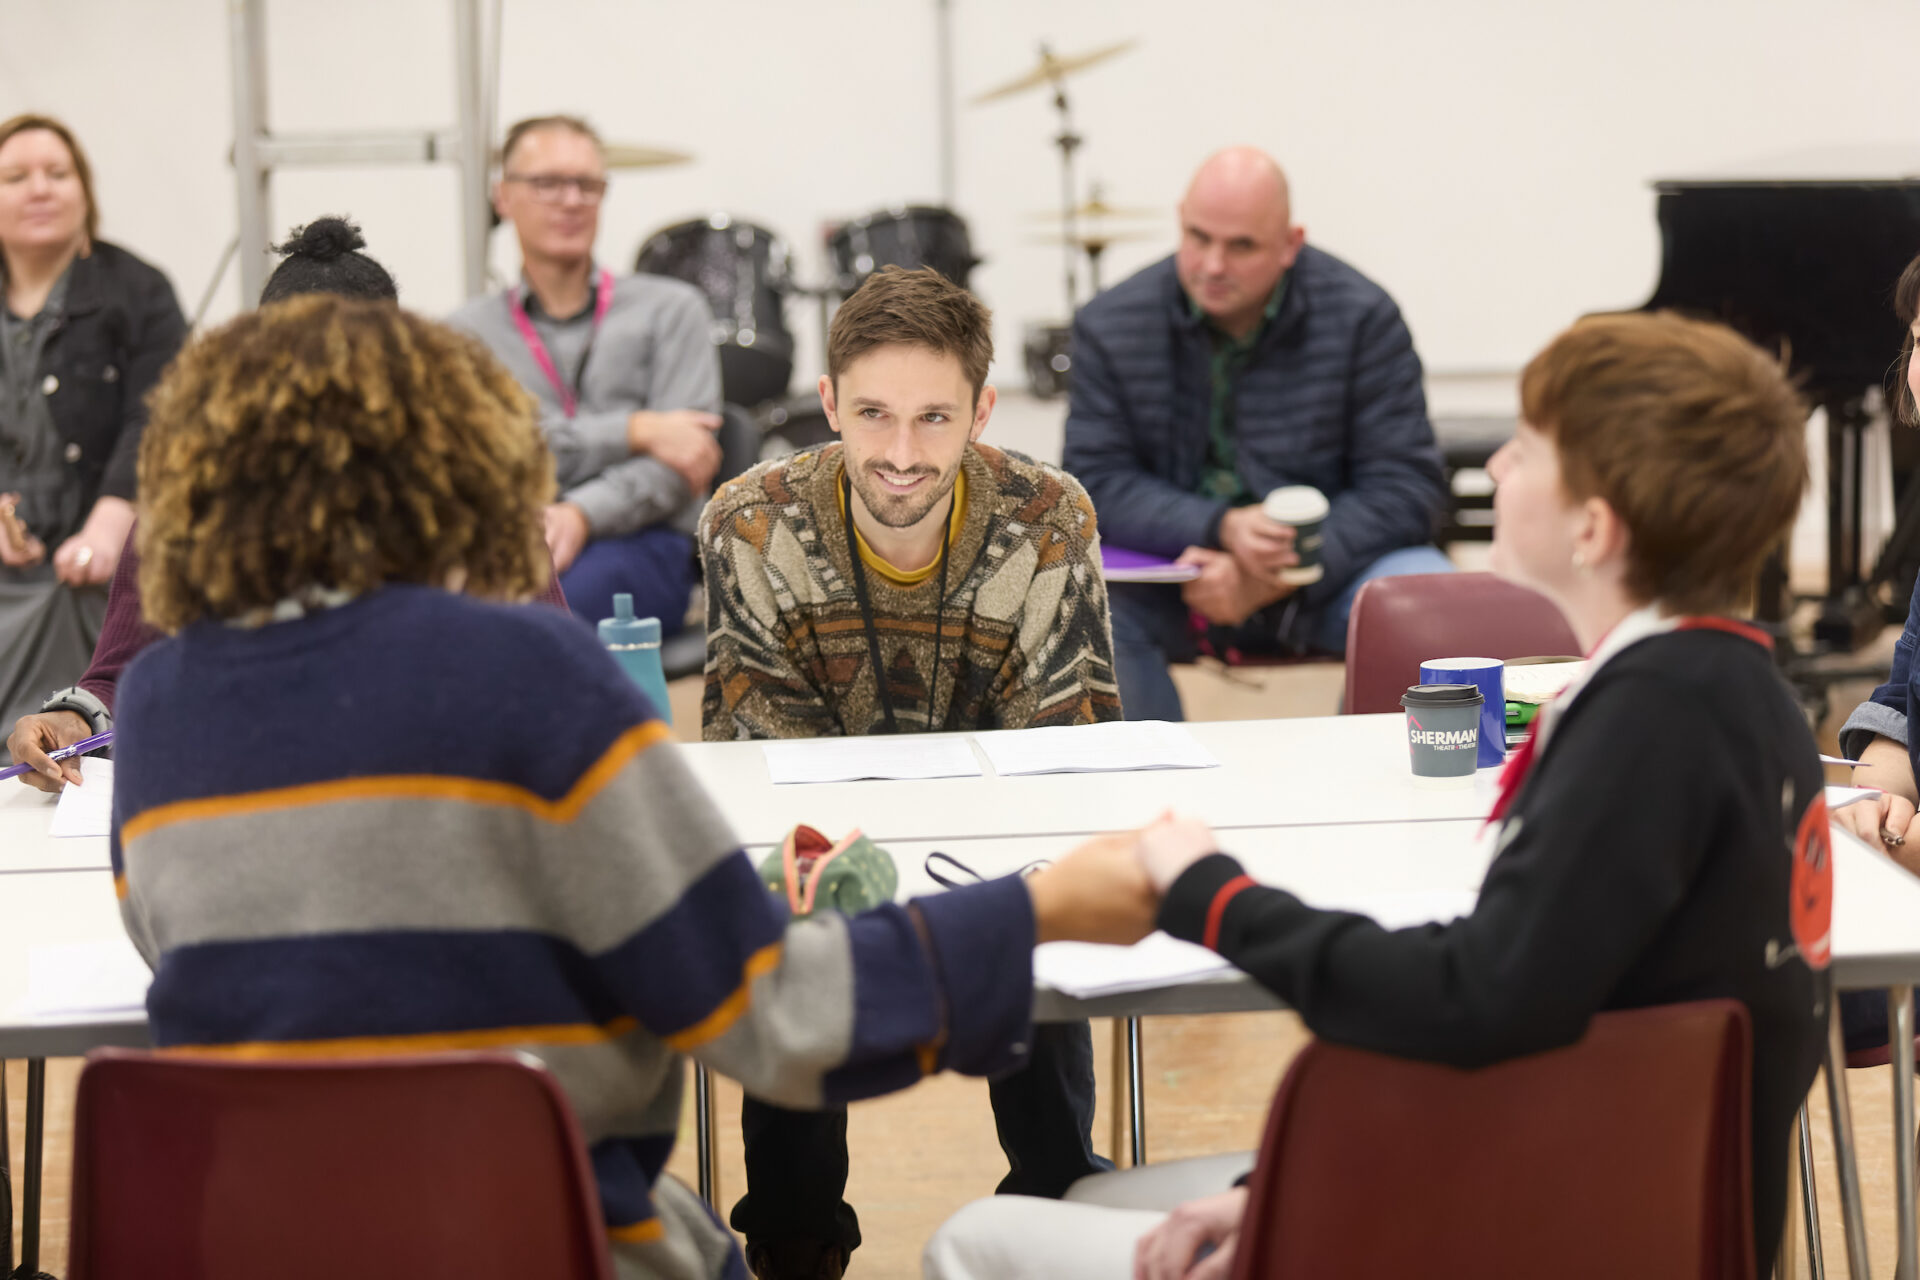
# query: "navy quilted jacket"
(1332, 398)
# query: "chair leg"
(30, 1180)
(1137, 1097)
(1809, 1197)
(6, 1180)
(1900, 1028)
(1840, 1113)
(1119, 1107)
(705, 1131)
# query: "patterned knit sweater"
(1025, 639)
(420, 821)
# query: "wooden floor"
(1208, 1080)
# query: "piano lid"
(1850, 166)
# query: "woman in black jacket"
(84, 333)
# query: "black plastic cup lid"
(1442, 695)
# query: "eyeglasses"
(552, 188)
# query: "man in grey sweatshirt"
(625, 372)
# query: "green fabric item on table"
(813, 873)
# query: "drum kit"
(745, 270)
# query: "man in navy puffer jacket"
(1246, 362)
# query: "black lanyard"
(866, 610)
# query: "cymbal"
(1095, 209)
(1051, 68)
(1092, 241)
(626, 155)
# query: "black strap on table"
(866, 609)
(947, 881)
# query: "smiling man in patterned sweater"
(970, 578)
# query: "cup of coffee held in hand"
(1443, 733)
(1303, 508)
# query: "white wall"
(1486, 160)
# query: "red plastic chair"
(1398, 623)
(1623, 1155)
(465, 1165)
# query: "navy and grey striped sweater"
(420, 821)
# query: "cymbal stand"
(1094, 249)
(1069, 142)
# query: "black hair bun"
(323, 240)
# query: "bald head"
(1237, 236)
(1243, 177)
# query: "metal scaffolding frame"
(257, 151)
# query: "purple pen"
(79, 748)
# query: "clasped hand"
(1245, 576)
(1109, 889)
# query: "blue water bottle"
(635, 645)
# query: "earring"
(1580, 561)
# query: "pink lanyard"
(602, 299)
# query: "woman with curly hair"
(361, 807)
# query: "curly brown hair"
(329, 443)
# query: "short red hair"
(1694, 437)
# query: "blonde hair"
(81, 169)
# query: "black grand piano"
(1801, 255)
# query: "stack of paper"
(1841, 797)
(86, 978)
(86, 810)
(1539, 681)
(1084, 970)
(854, 759)
(1095, 748)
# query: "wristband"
(83, 704)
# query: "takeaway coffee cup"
(1443, 732)
(1489, 676)
(1305, 509)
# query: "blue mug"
(1489, 675)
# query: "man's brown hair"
(324, 442)
(521, 128)
(81, 169)
(1906, 304)
(920, 308)
(1690, 433)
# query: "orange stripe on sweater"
(423, 786)
(425, 1042)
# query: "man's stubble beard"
(885, 507)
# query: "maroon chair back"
(1398, 623)
(1623, 1155)
(464, 1165)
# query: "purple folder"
(1121, 564)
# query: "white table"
(1323, 806)
(1312, 772)
(24, 842)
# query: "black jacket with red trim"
(1647, 860)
